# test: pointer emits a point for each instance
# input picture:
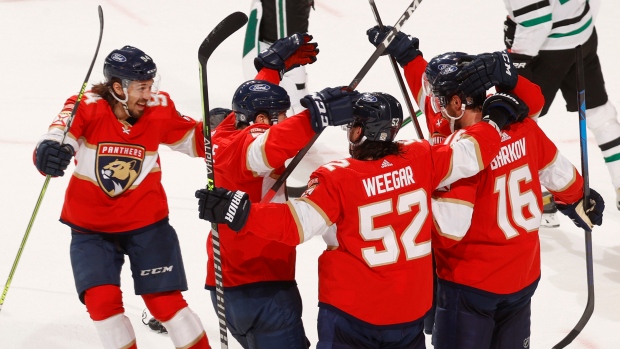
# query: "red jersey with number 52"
(380, 271)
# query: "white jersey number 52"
(390, 254)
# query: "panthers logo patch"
(118, 166)
(312, 184)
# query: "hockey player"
(115, 203)
(269, 21)
(541, 38)
(250, 147)
(489, 70)
(480, 305)
(375, 278)
(486, 244)
(258, 103)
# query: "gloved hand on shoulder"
(330, 107)
(504, 109)
(584, 219)
(288, 53)
(223, 206)
(487, 70)
(403, 47)
(52, 158)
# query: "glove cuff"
(496, 119)
(318, 111)
(260, 63)
(520, 61)
(238, 210)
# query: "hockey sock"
(164, 305)
(186, 331)
(604, 125)
(104, 301)
(116, 332)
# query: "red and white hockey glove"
(288, 53)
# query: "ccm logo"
(155, 271)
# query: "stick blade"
(223, 30)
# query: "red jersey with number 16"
(487, 225)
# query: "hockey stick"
(583, 141)
(48, 177)
(223, 30)
(352, 86)
(408, 119)
(403, 89)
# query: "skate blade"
(549, 220)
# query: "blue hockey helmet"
(257, 96)
(379, 114)
(129, 63)
(440, 79)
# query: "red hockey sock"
(203, 343)
(164, 305)
(104, 301)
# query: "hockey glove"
(223, 206)
(510, 29)
(584, 219)
(405, 48)
(504, 109)
(523, 64)
(330, 107)
(52, 158)
(485, 71)
(288, 53)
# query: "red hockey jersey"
(116, 185)
(250, 160)
(375, 217)
(487, 225)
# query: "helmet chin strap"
(451, 118)
(123, 102)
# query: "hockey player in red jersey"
(486, 244)
(250, 147)
(488, 269)
(484, 299)
(115, 203)
(491, 70)
(373, 210)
